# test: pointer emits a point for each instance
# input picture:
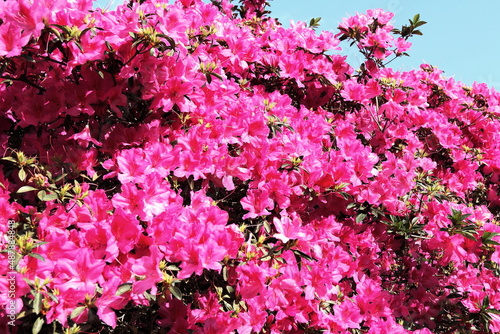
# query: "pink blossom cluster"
(210, 171)
(373, 34)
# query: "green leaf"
(485, 316)
(151, 298)
(126, 287)
(281, 260)
(44, 196)
(303, 255)
(419, 23)
(486, 302)
(56, 32)
(22, 174)
(28, 58)
(41, 194)
(77, 311)
(79, 46)
(37, 256)
(351, 205)
(468, 235)
(314, 23)
(228, 305)
(38, 244)
(65, 29)
(172, 267)
(136, 42)
(457, 215)
(18, 258)
(416, 18)
(11, 159)
(37, 326)
(360, 217)
(25, 189)
(487, 238)
(28, 281)
(53, 297)
(60, 177)
(176, 292)
(170, 41)
(267, 226)
(266, 258)
(298, 259)
(218, 76)
(243, 305)
(37, 302)
(345, 195)
(491, 242)
(224, 273)
(84, 31)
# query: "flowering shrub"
(198, 168)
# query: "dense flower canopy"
(199, 168)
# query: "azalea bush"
(189, 167)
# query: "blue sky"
(461, 37)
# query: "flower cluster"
(200, 168)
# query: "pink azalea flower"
(108, 302)
(402, 45)
(347, 315)
(84, 138)
(12, 40)
(253, 320)
(288, 228)
(257, 203)
(126, 230)
(353, 91)
(251, 280)
(131, 165)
